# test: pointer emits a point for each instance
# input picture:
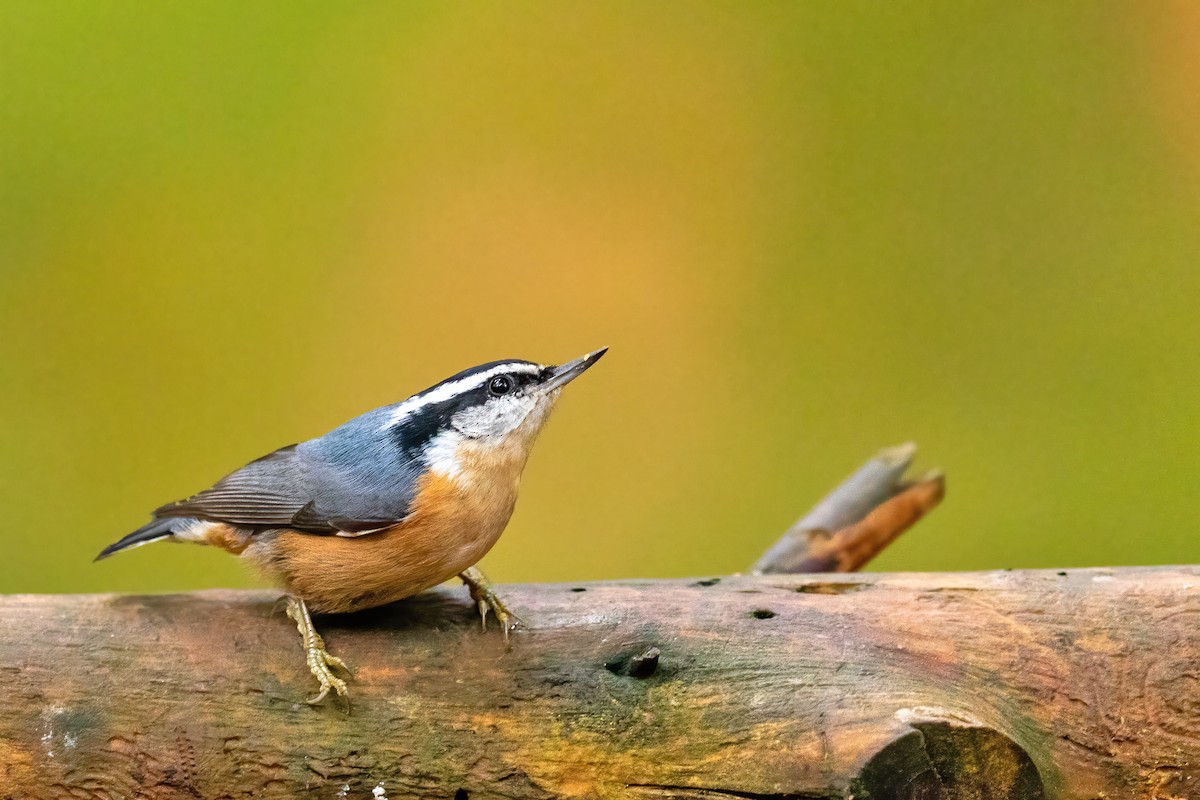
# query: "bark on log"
(1081, 684)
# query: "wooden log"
(1080, 684)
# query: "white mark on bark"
(49, 716)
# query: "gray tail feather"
(158, 529)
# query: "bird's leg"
(318, 658)
(486, 600)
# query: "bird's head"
(493, 411)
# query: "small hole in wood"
(1062, 573)
(707, 582)
(762, 613)
(461, 794)
(579, 589)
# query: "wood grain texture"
(1082, 684)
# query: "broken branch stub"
(859, 518)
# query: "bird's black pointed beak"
(559, 377)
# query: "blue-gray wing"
(310, 487)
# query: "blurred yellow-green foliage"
(806, 230)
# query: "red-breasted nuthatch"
(391, 503)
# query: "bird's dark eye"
(500, 385)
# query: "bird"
(391, 503)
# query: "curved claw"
(507, 619)
(483, 612)
(319, 663)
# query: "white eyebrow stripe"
(447, 390)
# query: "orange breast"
(451, 525)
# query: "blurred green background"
(806, 230)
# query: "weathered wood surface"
(1076, 684)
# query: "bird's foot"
(486, 600)
(320, 661)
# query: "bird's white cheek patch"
(494, 418)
